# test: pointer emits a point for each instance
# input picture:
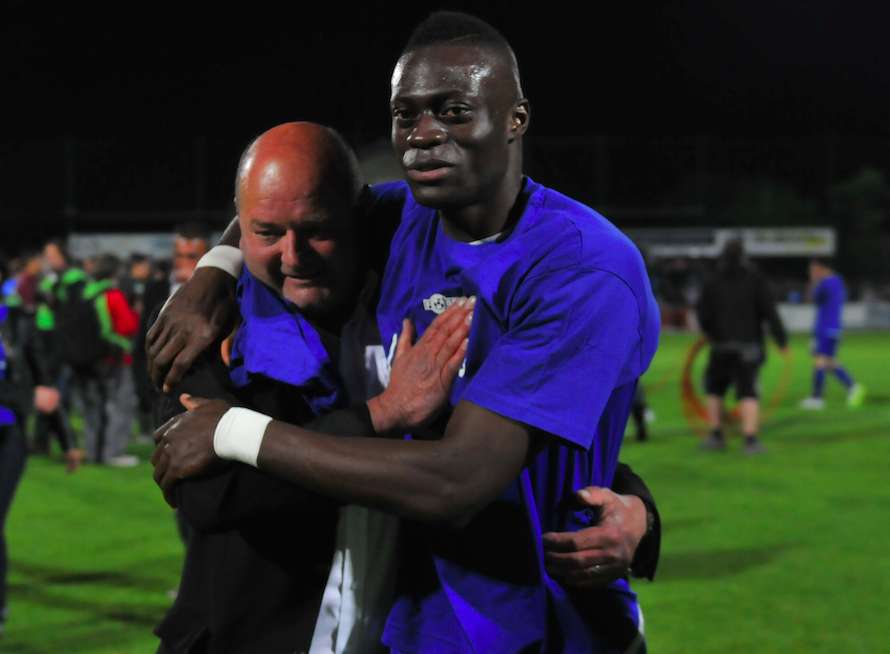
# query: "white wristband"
(225, 257)
(239, 434)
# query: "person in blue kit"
(18, 397)
(565, 324)
(231, 508)
(829, 294)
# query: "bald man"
(258, 562)
(566, 324)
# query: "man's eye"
(402, 115)
(456, 111)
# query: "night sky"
(137, 85)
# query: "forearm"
(395, 476)
(445, 481)
(238, 492)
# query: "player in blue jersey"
(565, 324)
(828, 293)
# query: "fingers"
(587, 568)
(159, 333)
(447, 321)
(190, 402)
(453, 365)
(156, 455)
(168, 479)
(593, 496)
(591, 538)
(562, 541)
(160, 431)
(161, 463)
(406, 338)
(155, 334)
(170, 497)
(183, 362)
(161, 361)
(564, 563)
(455, 338)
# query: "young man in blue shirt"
(565, 324)
(829, 295)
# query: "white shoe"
(812, 403)
(124, 461)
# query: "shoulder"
(389, 190)
(387, 199)
(572, 235)
(381, 217)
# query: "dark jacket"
(260, 553)
(734, 305)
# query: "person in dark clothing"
(734, 306)
(18, 397)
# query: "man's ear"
(519, 119)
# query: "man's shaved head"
(297, 191)
(299, 159)
(460, 29)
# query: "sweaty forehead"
(441, 68)
(282, 177)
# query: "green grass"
(778, 553)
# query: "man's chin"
(434, 196)
(310, 301)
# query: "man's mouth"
(420, 169)
(303, 277)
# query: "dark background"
(132, 116)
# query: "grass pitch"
(782, 552)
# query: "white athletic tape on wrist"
(225, 257)
(239, 434)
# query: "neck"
(491, 216)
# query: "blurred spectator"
(134, 281)
(190, 242)
(735, 304)
(105, 383)
(43, 349)
(20, 293)
(18, 396)
(828, 292)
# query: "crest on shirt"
(437, 303)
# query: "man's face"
(451, 114)
(140, 270)
(54, 257)
(33, 266)
(817, 271)
(186, 253)
(304, 248)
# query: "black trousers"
(12, 463)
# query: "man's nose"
(290, 255)
(428, 132)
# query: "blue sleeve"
(819, 295)
(574, 336)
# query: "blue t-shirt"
(829, 297)
(565, 324)
(275, 341)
